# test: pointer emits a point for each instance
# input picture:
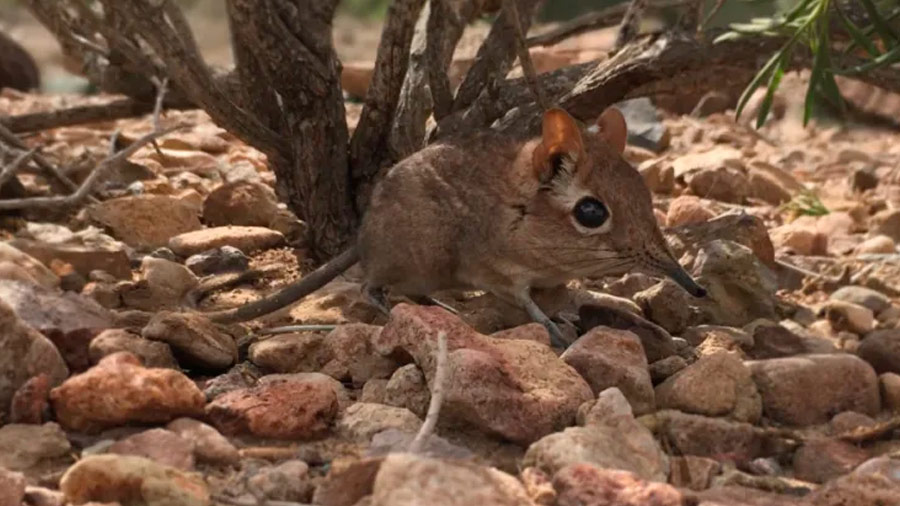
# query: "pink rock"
(12, 488)
(119, 390)
(159, 445)
(210, 446)
(516, 389)
(584, 484)
(686, 210)
(31, 401)
(278, 409)
(353, 356)
(821, 460)
(802, 240)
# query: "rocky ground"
(781, 388)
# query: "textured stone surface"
(715, 385)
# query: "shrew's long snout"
(681, 276)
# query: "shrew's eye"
(590, 212)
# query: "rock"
(863, 179)
(771, 340)
(163, 284)
(515, 389)
(822, 460)
(739, 287)
(848, 316)
(890, 391)
(150, 353)
(799, 240)
(25, 446)
(881, 349)
(12, 488)
(848, 421)
(105, 294)
(363, 420)
(529, 332)
(69, 320)
(196, 341)
(724, 184)
(288, 481)
(31, 402)
(584, 484)
(715, 385)
(132, 480)
(875, 481)
(159, 445)
(242, 375)
(348, 481)
(733, 495)
(809, 389)
(887, 223)
(407, 480)
(645, 128)
(353, 355)
(278, 409)
(659, 177)
(874, 300)
(607, 358)
(880, 244)
(26, 354)
(145, 221)
(538, 486)
(343, 395)
(118, 390)
(393, 440)
(210, 446)
(656, 341)
(24, 267)
(224, 259)
(374, 390)
(247, 239)
(718, 156)
(108, 256)
(408, 389)
(667, 305)
(706, 436)
(290, 353)
(610, 406)
(764, 186)
(240, 203)
(662, 369)
(625, 287)
(686, 210)
(695, 473)
(612, 440)
(741, 228)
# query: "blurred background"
(356, 33)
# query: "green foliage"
(809, 23)
(805, 203)
(375, 9)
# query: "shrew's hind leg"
(377, 297)
(523, 298)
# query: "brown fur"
(486, 212)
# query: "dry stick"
(117, 109)
(10, 171)
(88, 185)
(630, 25)
(157, 109)
(512, 13)
(437, 395)
(10, 138)
(591, 21)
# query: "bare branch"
(10, 139)
(438, 384)
(88, 185)
(368, 147)
(10, 170)
(494, 58)
(593, 20)
(512, 14)
(116, 109)
(630, 25)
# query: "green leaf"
(757, 79)
(815, 76)
(884, 30)
(889, 58)
(728, 36)
(859, 37)
(774, 81)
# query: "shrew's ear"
(560, 139)
(613, 128)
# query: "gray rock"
(657, 342)
(25, 446)
(363, 420)
(196, 341)
(645, 127)
(223, 259)
(739, 287)
(872, 299)
(881, 348)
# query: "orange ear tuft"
(560, 135)
(613, 128)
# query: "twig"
(592, 21)
(157, 109)
(10, 138)
(88, 185)
(81, 114)
(631, 21)
(437, 395)
(512, 14)
(10, 170)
